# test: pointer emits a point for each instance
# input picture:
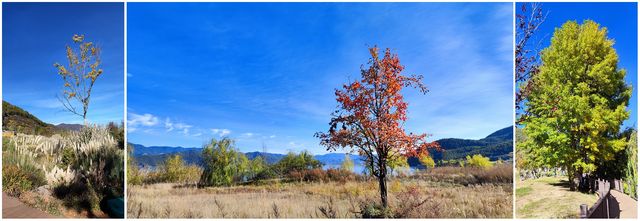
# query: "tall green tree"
(223, 164)
(579, 102)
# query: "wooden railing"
(606, 206)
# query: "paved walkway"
(13, 208)
(628, 206)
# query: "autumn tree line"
(224, 165)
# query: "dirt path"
(13, 208)
(628, 206)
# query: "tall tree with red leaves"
(370, 117)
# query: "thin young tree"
(527, 54)
(79, 76)
(370, 117)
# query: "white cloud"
(197, 135)
(220, 132)
(295, 145)
(183, 127)
(168, 124)
(142, 120)
(272, 136)
(129, 75)
(247, 134)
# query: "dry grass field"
(415, 196)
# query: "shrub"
(267, 173)
(347, 164)
(315, 175)
(479, 161)
(409, 202)
(427, 161)
(173, 169)
(371, 209)
(300, 162)
(296, 175)
(340, 175)
(20, 173)
(15, 181)
(117, 132)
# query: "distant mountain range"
(17, 119)
(73, 127)
(498, 145)
(153, 156)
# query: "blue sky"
(34, 36)
(620, 19)
(266, 73)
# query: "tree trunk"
(572, 177)
(382, 182)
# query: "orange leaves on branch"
(371, 113)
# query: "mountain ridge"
(497, 145)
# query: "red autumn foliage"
(371, 114)
(526, 53)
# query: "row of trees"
(224, 165)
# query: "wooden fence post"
(584, 209)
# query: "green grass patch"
(523, 191)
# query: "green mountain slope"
(16, 119)
(498, 145)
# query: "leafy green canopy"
(631, 176)
(578, 103)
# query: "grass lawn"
(549, 197)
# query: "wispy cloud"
(142, 120)
(220, 132)
(168, 124)
(184, 127)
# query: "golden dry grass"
(304, 200)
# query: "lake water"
(359, 168)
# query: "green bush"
(68, 157)
(296, 162)
(369, 210)
(16, 180)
